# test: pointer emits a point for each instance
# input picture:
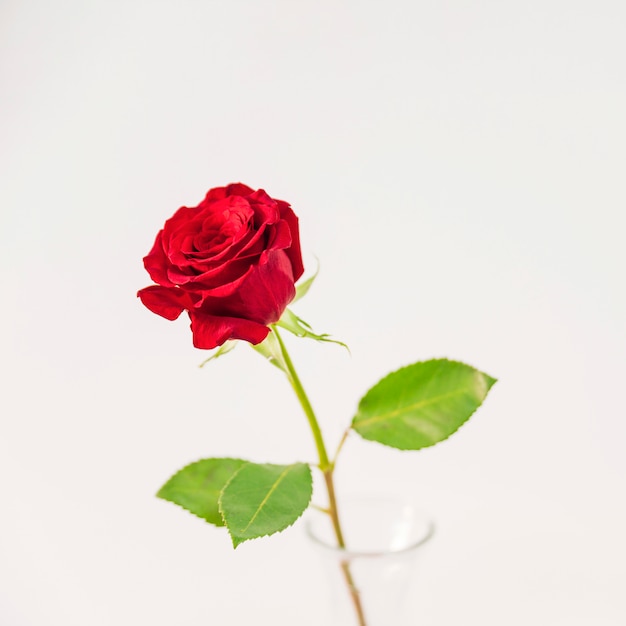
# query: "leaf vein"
(267, 497)
(417, 405)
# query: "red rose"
(231, 263)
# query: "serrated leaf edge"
(489, 380)
(237, 542)
(430, 445)
(184, 508)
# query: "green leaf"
(226, 347)
(303, 287)
(291, 322)
(422, 404)
(262, 499)
(197, 487)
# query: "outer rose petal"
(156, 262)
(279, 236)
(265, 208)
(266, 290)
(168, 302)
(262, 293)
(234, 189)
(210, 331)
(294, 252)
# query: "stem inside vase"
(327, 469)
(385, 536)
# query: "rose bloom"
(231, 262)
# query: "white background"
(458, 169)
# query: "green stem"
(327, 469)
(306, 404)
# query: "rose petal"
(211, 284)
(261, 295)
(234, 189)
(294, 252)
(168, 302)
(229, 222)
(156, 262)
(266, 289)
(211, 331)
(265, 208)
(280, 236)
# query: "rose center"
(222, 230)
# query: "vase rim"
(424, 537)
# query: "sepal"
(226, 347)
(270, 349)
(291, 322)
(303, 286)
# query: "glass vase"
(370, 577)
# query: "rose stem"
(327, 469)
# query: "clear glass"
(383, 538)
